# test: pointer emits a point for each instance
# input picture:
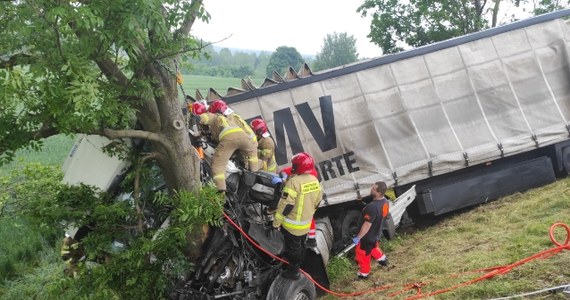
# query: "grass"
(497, 233)
(53, 152)
(19, 246)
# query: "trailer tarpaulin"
(427, 114)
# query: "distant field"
(53, 153)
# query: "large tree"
(338, 49)
(283, 58)
(397, 25)
(97, 67)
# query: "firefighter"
(229, 137)
(370, 224)
(312, 235)
(301, 197)
(220, 107)
(71, 252)
(265, 146)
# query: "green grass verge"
(494, 234)
(53, 152)
(18, 248)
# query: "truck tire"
(389, 228)
(288, 289)
(349, 226)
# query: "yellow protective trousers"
(228, 145)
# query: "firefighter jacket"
(219, 125)
(236, 119)
(301, 197)
(266, 153)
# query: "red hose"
(491, 271)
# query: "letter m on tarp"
(325, 136)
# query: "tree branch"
(112, 70)
(45, 131)
(202, 46)
(189, 19)
(136, 192)
(16, 59)
(131, 133)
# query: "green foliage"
(546, 6)
(70, 67)
(127, 259)
(397, 24)
(338, 267)
(283, 58)
(31, 190)
(338, 49)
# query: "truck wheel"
(300, 289)
(389, 228)
(349, 227)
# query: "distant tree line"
(225, 63)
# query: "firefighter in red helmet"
(301, 197)
(265, 146)
(230, 137)
(220, 107)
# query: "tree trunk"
(178, 160)
(495, 13)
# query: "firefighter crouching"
(71, 252)
(230, 137)
(301, 197)
(220, 107)
(265, 146)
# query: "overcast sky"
(268, 24)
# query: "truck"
(466, 120)
(446, 126)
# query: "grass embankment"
(53, 153)
(494, 234)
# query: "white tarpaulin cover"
(426, 114)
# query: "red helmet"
(218, 106)
(198, 108)
(259, 126)
(302, 163)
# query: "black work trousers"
(294, 249)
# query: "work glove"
(355, 240)
(276, 180)
(283, 175)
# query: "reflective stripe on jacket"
(239, 121)
(219, 125)
(304, 193)
(266, 152)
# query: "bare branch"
(189, 19)
(140, 214)
(45, 131)
(202, 46)
(131, 133)
(16, 59)
(112, 71)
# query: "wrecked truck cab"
(240, 259)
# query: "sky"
(267, 24)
